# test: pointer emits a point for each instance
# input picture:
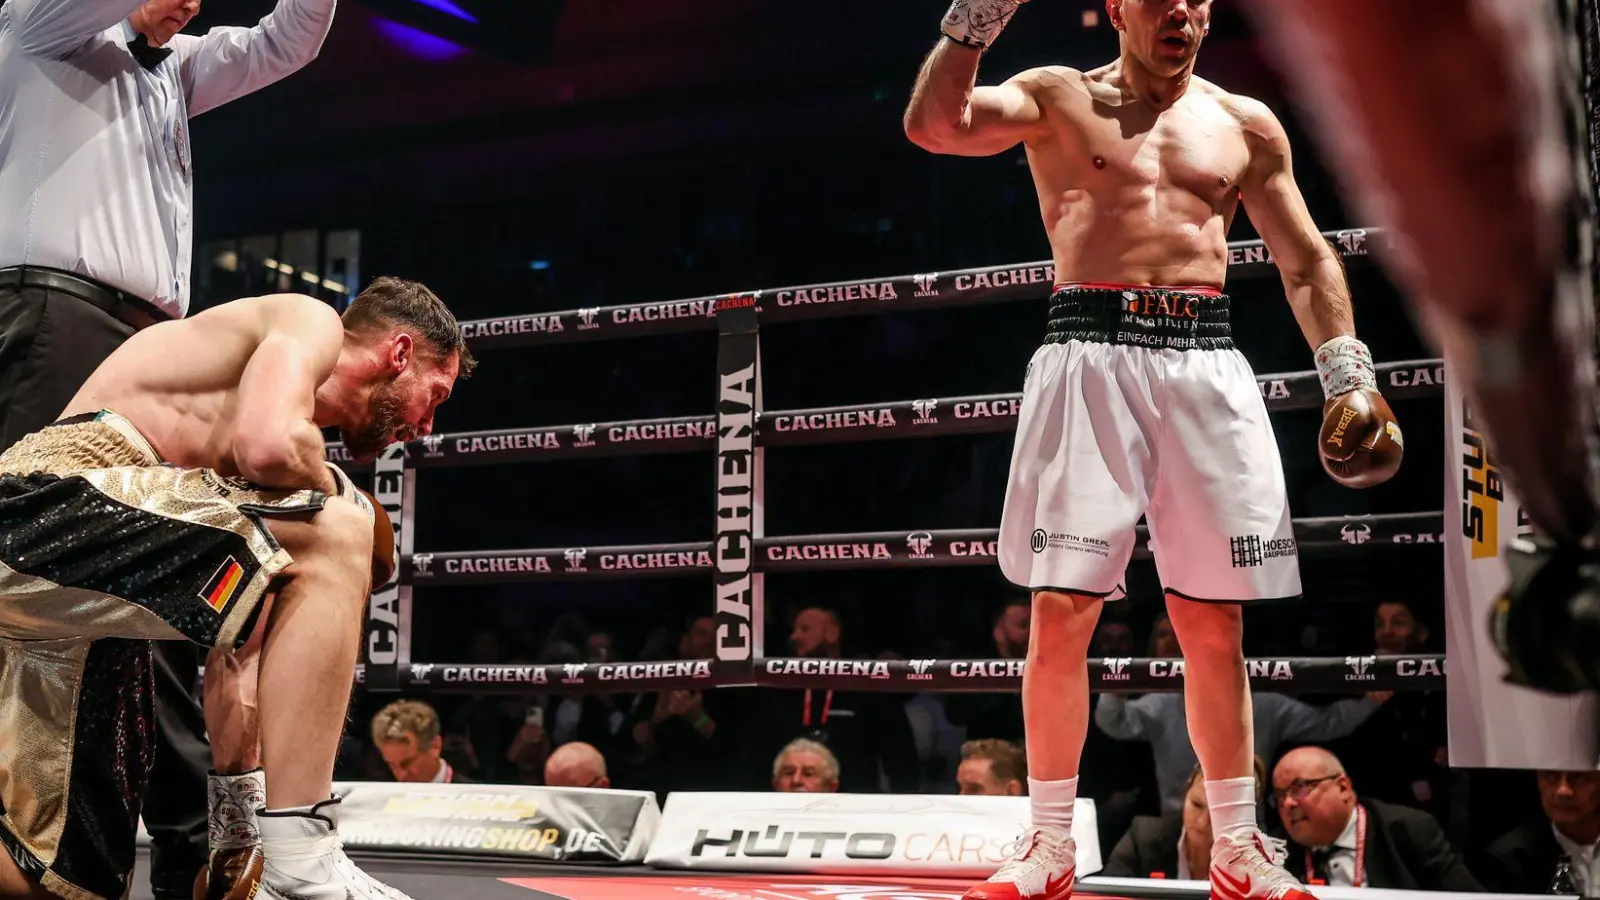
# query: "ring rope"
(737, 317)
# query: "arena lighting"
(520, 31)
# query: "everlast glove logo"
(735, 546)
(1337, 438)
(773, 843)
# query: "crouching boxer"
(236, 788)
(183, 495)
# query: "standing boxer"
(1139, 404)
(184, 496)
(97, 186)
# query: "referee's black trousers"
(50, 343)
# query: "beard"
(366, 440)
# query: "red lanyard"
(827, 704)
(1361, 853)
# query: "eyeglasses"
(1297, 790)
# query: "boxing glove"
(231, 874)
(1360, 443)
(385, 559)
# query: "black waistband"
(134, 312)
(1158, 318)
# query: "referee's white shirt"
(95, 173)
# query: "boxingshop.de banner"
(554, 825)
(865, 834)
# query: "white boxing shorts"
(1138, 404)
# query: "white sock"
(1052, 801)
(1233, 804)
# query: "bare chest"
(1201, 154)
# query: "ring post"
(738, 613)
(387, 645)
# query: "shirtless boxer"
(1456, 124)
(183, 494)
(1138, 403)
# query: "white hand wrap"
(347, 490)
(1345, 364)
(232, 802)
(977, 23)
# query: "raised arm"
(948, 112)
(277, 443)
(54, 28)
(225, 64)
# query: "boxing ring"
(740, 553)
(737, 556)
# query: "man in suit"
(1338, 839)
(406, 733)
(1523, 860)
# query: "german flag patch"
(223, 585)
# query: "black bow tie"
(146, 55)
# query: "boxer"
(1138, 404)
(183, 495)
(1457, 124)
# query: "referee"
(96, 234)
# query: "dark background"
(642, 150)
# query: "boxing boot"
(305, 860)
(1248, 865)
(1042, 868)
(234, 869)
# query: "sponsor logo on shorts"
(1248, 551)
(1056, 540)
(1245, 551)
(223, 584)
(1360, 668)
(920, 542)
(1356, 533)
(920, 670)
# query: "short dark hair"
(389, 302)
(1007, 761)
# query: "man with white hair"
(805, 767)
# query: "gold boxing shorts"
(103, 549)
